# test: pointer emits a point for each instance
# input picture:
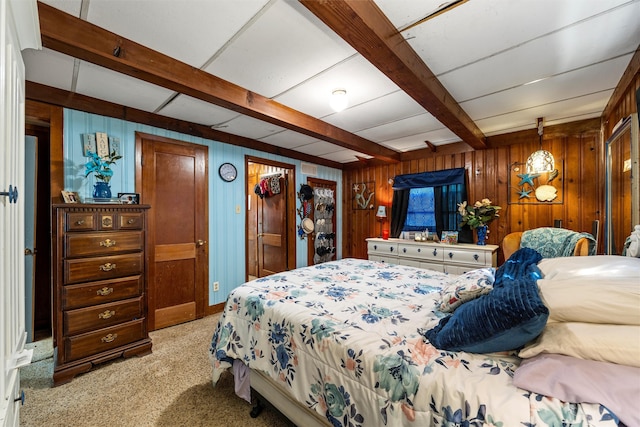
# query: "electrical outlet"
(237, 209)
(216, 286)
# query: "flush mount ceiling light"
(541, 160)
(338, 100)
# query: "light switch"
(237, 209)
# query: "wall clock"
(228, 172)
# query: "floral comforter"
(343, 338)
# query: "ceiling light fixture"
(339, 100)
(541, 160)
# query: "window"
(421, 210)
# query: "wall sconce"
(541, 160)
(339, 100)
(381, 215)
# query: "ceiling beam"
(54, 96)
(363, 25)
(80, 39)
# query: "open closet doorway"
(271, 219)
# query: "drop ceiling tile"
(439, 136)
(579, 108)
(460, 37)
(251, 128)
(102, 83)
(406, 127)
(593, 79)
(72, 7)
(362, 81)
(194, 110)
(320, 148)
(344, 156)
(283, 48)
(405, 12)
(290, 139)
(188, 30)
(48, 67)
(581, 47)
(385, 109)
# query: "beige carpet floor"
(170, 387)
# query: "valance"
(429, 179)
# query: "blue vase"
(482, 235)
(101, 190)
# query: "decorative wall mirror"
(622, 178)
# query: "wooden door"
(172, 178)
(30, 207)
(270, 221)
(272, 233)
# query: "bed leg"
(255, 411)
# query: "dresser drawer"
(382, 248)
(423, 252)
(85, 244)
(79, 221)
(100, 268)
(91, 343)
(101, 316)
(131, 220)
(454, 256)
(84, 295)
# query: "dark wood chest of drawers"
(99, 286)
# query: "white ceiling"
(506, 62)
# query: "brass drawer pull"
(109, 338)
(108, 243)
(80, 222)
(107, 314)
(107, 267)
(131, 221)
(104, 291)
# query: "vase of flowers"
(101, 168)
(478, 217)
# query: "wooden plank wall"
(579, 145)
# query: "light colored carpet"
(170, 387)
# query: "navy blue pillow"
(508, 317)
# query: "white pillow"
(606, 343)
(597, 266)
(466, 287)
(612, 300)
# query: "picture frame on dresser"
(129, 198)
(70, 196)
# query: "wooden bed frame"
(274, 393)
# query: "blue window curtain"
(449, 188)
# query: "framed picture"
(88, 144)
(70, 197)
(129, 198)
(450, 237)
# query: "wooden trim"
(81, 39)
(623, 86)
(363, 25)
(170, 315)
(210, 310)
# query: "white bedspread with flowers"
(343, 338)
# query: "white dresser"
(455, 259)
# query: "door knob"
(28, 251)
(201, 242)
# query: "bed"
(351, 343)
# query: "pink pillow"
(583, 381)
